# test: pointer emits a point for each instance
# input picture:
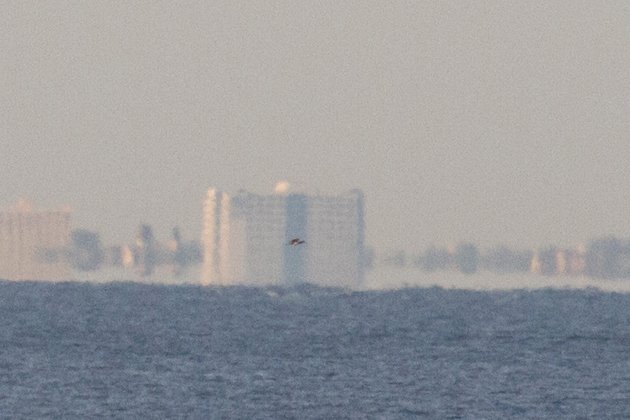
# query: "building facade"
(246, 238)
(32, 244)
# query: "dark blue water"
(132, 351)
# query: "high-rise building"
(32, 244)
(246, 238)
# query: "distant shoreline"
(378, 279)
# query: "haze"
(486, 121)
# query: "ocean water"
(127, 350)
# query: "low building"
(32, 243)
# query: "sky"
(488, 121)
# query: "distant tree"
(466, 258)
(145, 235)
(184, 253)
(190, 253)
(146, 252)
(435, 259)
(603, 257)
(85, 252)
(502, 259)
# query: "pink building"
(32, 244)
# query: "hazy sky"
(488, 121)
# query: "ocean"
(129, 350)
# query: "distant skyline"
(491, 122)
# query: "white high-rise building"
(246, 238)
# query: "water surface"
(126, 350)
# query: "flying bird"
(296, 242)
